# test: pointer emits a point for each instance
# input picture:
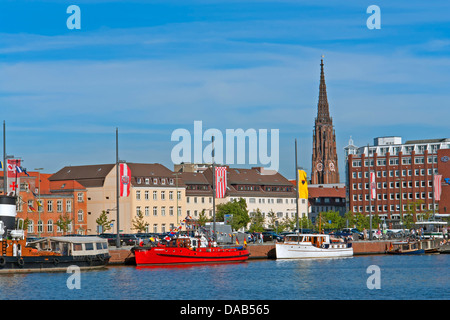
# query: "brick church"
(324, 157)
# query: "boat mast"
(296, 187)
(214, 189)
(117, 188)
(4, 158)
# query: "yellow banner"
(302, 185)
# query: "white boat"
(298, 246)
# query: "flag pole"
(117, 188)
(297, 187)
(370, 194)
(4, 158)
(433, 188)
(214, 189)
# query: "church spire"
(324, 157)
(323, 113)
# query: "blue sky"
(150, 67)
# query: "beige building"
(266, 191)
(155, 191)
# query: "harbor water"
(423, 277)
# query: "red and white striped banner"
(221, 181)
(125, 180)
(437, 187)
(373, 186)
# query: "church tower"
(324, 157)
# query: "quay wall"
(259, 251)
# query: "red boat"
(188, 250)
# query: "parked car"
(271, 235)
(129, 239)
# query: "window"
(406, 160)
(80, 197)
(163, 195)
(138, 209)
(146, 196)
(80, 215)
(49, 205)
(163, 211)
(155, 195)
(68, 205)
(170, 211)
(419, 160)
(40, 226)
(30, 226)
(138, 195)
(59, 205)
(170, 195)
(50, 226)
(155, 228)
(393, 161)
(147, 211)
(179, 195)
(155, 211)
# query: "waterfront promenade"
(123, 255)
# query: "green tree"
(64, 222)
(138, 223)
(272, 217)
(103, 221)
(202, 218)
(239, 211)
(257, 222)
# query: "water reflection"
(402, 277)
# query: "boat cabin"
(314, 239)
(72, 246)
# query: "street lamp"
(39, 198)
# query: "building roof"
(427, 141)
(87, 175)
(321, 192)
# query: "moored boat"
(298, 246)
(405, 247)
(46, 254)
(188, 250)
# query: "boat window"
(194, 243)
(105, 245)
(89, 246)
(77, 247)
(99, 246)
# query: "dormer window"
(155, 181)
(139, 180)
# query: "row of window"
(395, 196)
(156, 212)
(396, 173)
(268, 200)
(395, 161)
(51, 225)
(31, 204)
(156, 228)
(392, 207)
(392, 184)
(155, 195)
(156, 181)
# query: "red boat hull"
(176, 255)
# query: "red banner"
(125, 180)
(221, 181)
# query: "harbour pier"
(124, 256)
